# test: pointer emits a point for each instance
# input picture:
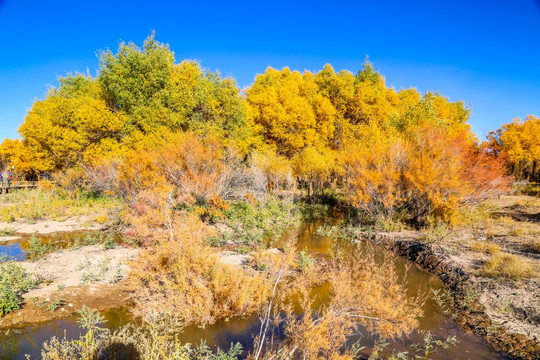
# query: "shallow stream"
(15, 343)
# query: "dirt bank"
(473, 295)
(88, 276)
(52, 226)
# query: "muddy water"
(14, 343)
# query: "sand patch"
(52, 226)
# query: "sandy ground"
(88, 264)
(88, 276)
(513, 225)
(51, 226)
(8, 238)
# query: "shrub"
(184, 277)
(14, 281)
(363, 291)
(423, 179)
(252, 221)
(155, 339)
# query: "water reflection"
(16, 343)
(20, 249)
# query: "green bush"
(155, 339)
(253, 222)
(14, 282)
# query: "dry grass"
(508, 266)
(524, 229)
(534, 246)
(471, 215)
(38, 204)
(485, 247)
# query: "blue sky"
(486, 53)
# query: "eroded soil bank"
(518, 337)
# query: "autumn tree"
(422, 178)
(139, 99)
(519, 142)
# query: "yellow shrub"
(183, 277)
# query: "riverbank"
(70, 279)
(471, 296)
(79, 223)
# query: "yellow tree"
(60, 129)
(520, 141)
(279, 102)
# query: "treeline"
(145, 121)
(518, 143)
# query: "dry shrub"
(150, 215)
(241, 180)
(183, 277)
(508, 266)
(484, 174)
(138, 172)
(102, 175)
(195, 168)
(69, 182)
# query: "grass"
(508, 266)
(6, 231)
(531, 189)
(38, 204)
(436, 233)
(534, 246)
(485, 247)
(14, 281)
(38, 247)
(524, 229)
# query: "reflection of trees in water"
(11, 339)
(19, 342)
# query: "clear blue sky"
(486, 53)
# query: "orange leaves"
(194, 167)
(420, 178)
(375, 175)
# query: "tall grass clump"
(508, 266)
(39, 204)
